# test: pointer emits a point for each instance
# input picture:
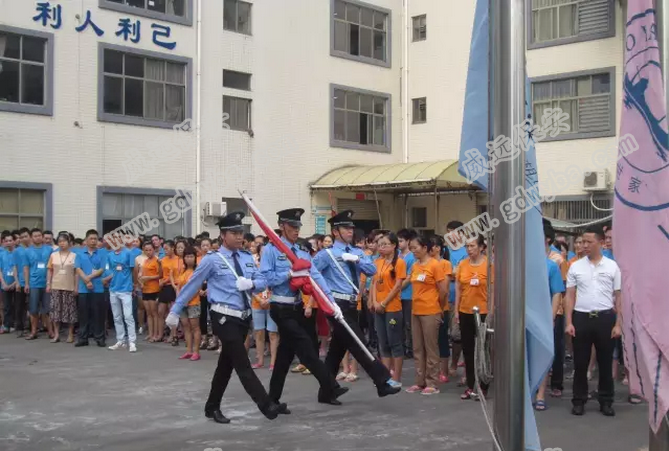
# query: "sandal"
(352, 377)
(256, 366)
(298, 368)
(415, 389)
(555, 393)
(175, 341)
(540, 405)
(55, 340)
(31, 337)
(186, 356)
(306, 372)
(634, 399)
(341, 376)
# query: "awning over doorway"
(396, 178)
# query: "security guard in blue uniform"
(286, 282)
(231, 276)
(341, 266)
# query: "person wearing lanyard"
(287, 285)
(8, 279)
(593, 318)
(341, 267)
(121, 265)
(91, 306)
(404, 237)
(23, 243)
(231, 277)
(34, 271)
(455, 257)
(61, 284)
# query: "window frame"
(387, 147)
(47, 188)
(237, 72)
(47, 108)
(139, 121)
(416, 36)
(387, 62)
(611, 71)
(103, 189)
(250, 113)
(414, 218)
(415, 106)
(236, 30)
(609, 33)
(145, 12)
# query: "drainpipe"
(198, 126)
(405, 82)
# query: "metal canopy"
(396, 178)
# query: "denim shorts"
(262, 321)
(389, 330)
(39, 301)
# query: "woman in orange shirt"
(429, 300)
(384, 300)
(471, 290)
(190, 316)
(170, 263)
(148, 276)
(438, 250)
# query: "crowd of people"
(416, 300)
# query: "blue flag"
(538, 312)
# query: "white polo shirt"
(594, 284)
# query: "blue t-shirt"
(570, 255)
(36, 259)
(135, 252)
(456, 256)
(19, 259)
(608, 253)
(88, 263)
(409, 259)
(120, 268)
(7, 263)
(555, 282)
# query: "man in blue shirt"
(404, 237)
(8, 278)
(455, 257)
(156, 240)
(121, 264)
(90, 266)
(232, 277)
(34, 272)
(341, 267)
(20, 297)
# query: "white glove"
(172, 320)
(244, 284)
(350, 257)
(301, 273)
(338, 315)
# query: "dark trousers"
(232, 334)
(204, 311)
(310, 326)
(406, 313)
(20, 308)
(593, 330)
(342, 342)
(8, 308)
(92, 312)
(296, 338)
(557, 376)
(468, 333)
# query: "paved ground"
(54, 397)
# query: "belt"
(228, 311)
(597, 313)
(284, 299)
(345, 297)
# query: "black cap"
(291, 216)
(233, 221)
(343, 219)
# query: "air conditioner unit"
(596, 180)
(214, 209)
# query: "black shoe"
(607, 410)
(217, 416)
(578, 410)
(80, 344)
(332, 401)
(387, 389)
(271, 411)
(340, 391)
(283, 409)
(102, 344)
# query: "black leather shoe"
(79, 344)
(607, 410)
(386, 389)
(578, 410)
(102, 344)
(283, 409)
(271, 411)
(217, 416)
(340, 391)
(332, 401)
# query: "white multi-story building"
(109, 106)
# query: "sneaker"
(430, 391)
(256, 366)
(195, 357)
(468, 394)
(414, 389)
(394, 383)
(117, 346)
(186, 356)
(132, 347)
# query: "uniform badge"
(281, 257)
(222, 320)
(250, 265)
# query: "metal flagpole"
(507, 22)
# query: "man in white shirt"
(593, 304)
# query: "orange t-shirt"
(384, 283)
(171, 264)
(424, 279)
(474, 295)
(448, 270)
(181, 281)
(151, 268)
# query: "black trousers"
(92, 311)
(204, 311)
(408, 339)
(8, 308)
(20, 308)
(342, 342)
(232, 334)
(297, 338)
(468, 334)
(310, 325)
(557, 376)
(593, 330)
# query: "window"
(143, 88)
(361, 32)
(176, 11)
(360, 119)
(419, 217)
(419, 110)
(237, 16)
(419, 28)
(578, 209)
(556, 22)
(22, 208)
(238, 112)
(236, 80)
(26, 71)
(588, 98)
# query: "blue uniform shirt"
(19, 259)
(36, 259)
(221, 281)
(120, 268)
(555, 282)
(333, 277)
(7, 265)
(134, 252)
(89, 262)
(570, 255)
(456, 256)
(275, 267)
(407, 293)
(608, 253)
